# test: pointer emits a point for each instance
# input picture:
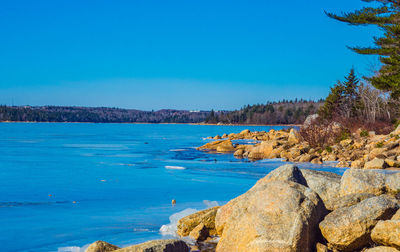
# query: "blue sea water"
(66, 185)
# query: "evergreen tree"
(386, 16)
(343, 99)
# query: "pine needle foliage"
(386, 15)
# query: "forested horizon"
(281, 112)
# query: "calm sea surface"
(65, 185)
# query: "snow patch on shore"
(171, 228)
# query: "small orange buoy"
(74, 202)
(173, 202)
(50, 195)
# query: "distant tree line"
(282, 112)
(98, 115)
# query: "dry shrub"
(353, 124)
(321, 133)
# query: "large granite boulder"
(349, 228)
(282, 173)
(325, 184)
(263, 150)
(101, 246)
(278, 216)
(362, 181)
(172, 245)
(387, 233)
(376, 163)
(190, 222)
(349, 200)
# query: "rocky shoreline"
(363, 150)
(294, 209)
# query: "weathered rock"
(217, 137)
(206, 217)
(199, 233)
(359, 163)
(325, 184)
(381, 249)
(317, 160)
(306, 158)
(294, 137)
(392, 182)
(349, 228)
(263, 150)
(101, 246)
(396, 216)
(283, 173)
(322, 248)
(281, 216)
(239, 152)
(350, 200)
(343, 164)
(392, 163)
(220, 146)
(376, 152)
(309, 120)
(286, 172)
(172, 245)
(387, 233)
(376, 163)
(362, 181)
(346, 142)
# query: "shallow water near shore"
(65, 185)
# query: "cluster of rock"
(295, 210)
(306, 210)
(368, 152)
(172, 245)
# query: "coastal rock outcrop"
(325, 184)
(206, 218)
(101, 246)
(349, 228)
(360, 151)
(387, 233)
(283, 216)
(349, 200)
(172, 245)
(362, 181)
(219, 146)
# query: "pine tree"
(386, 16)
(343, 99)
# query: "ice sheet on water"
(70, 249)
(170, 229)
(210, 204)
(170, 167)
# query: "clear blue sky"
(185, 54)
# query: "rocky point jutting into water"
(367, 151)
(299, 210)
(295, 210)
